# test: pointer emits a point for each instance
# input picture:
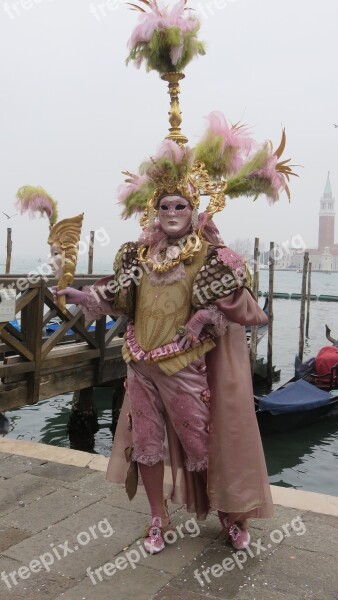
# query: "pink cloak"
(237, 480)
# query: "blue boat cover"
(51, 327)
(295, 397)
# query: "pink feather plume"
(171, 150)
(162, 18)
(235, 136)
(277, 180)
(33, 200)
(133, 184)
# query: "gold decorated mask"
(63, 239)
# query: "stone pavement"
(61, 523)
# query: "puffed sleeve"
(223, 272)
(223, 283)
(115, 294)
(241, 307)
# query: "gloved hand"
(195, 325)
(73, 296)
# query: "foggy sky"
(73, 116)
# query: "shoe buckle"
(234, 532)
(154, 532)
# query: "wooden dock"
(35, 366)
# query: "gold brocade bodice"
(161, 309)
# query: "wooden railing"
(35, 366)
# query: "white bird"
(8, 216)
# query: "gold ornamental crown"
(169, 184)
(190, 184)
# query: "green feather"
(137, 201)
(244, 183)
(156, 52)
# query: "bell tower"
(326, 218)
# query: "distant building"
(325, 257)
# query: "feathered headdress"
(226, 160)
(228, 168)
(172, 171)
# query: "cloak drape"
(237, 481)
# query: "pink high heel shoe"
(154, 541)
(154, 535)
(237, 532)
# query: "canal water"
(304, 459)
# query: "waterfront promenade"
(67, 534)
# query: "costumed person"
(187, 423)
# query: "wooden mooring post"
(83, 421)
(269, 370)
(302, 307)
(9, 250)
(91, 252)
(308, 300)
(255, 287)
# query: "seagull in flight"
(8, 216)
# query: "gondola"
(297, 403)
(303, 400)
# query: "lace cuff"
(94, 307)
(218, 324)
(150, 461)
(192, 464)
